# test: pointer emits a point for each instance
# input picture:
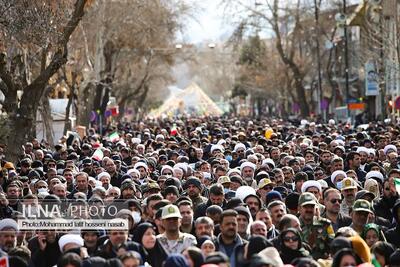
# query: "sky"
(209, 25)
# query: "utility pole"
(321, 111)
(346, 59)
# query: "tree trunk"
(67, 121)
(289, 62)
(19, 124)
(85, 104)
(47, 119)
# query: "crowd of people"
(211, 191)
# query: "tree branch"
(59, 58)
(5, 75)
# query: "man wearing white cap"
(364, 156)
(143, 170)
(247, 170)
(70, 241)
(173, 240)
(8, 234)
(313, 187)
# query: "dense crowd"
(210, 191)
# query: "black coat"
(46, 258)
(383, 208)
(393, 236)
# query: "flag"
(98, 154)
(114, 137)
(397, 184)
(174, 130)
(374, 261)
(4, 261)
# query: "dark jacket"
(88, 195)
(107, 251)
(383, 208)
(47, 257)
(393, 234)
(228, 250)
(116, 179)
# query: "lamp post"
(321, 111)
(346, 59)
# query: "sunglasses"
(167, 173)
(333, 201)
(290, 238)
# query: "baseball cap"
(364, 193)
(170, 211)
(307, 198)
(348, 183)
(264, 182)
(224, 180)
(362, 205)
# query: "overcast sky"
(211, 25)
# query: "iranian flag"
(397, 184)
(98, 154)
(174, 130)
(114, 137)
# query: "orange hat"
(9, 166)
(360, 248)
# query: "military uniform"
(198, 201)
(318, 234)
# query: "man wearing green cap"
(316, 231)
(361, 214)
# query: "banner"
(371, 80)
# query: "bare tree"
(33, 32)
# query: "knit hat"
(175, 260)
(292, 201)
(193, 181)
(273, 195)
(171, 189)
(128, 184)
(243, 211)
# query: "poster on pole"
(371, 80)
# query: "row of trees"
(90, 48)
(282, 65)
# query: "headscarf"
(372, 186)
(256, 244)
(140, 230)
(288, 254)
(376, 228)
(155, 256)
